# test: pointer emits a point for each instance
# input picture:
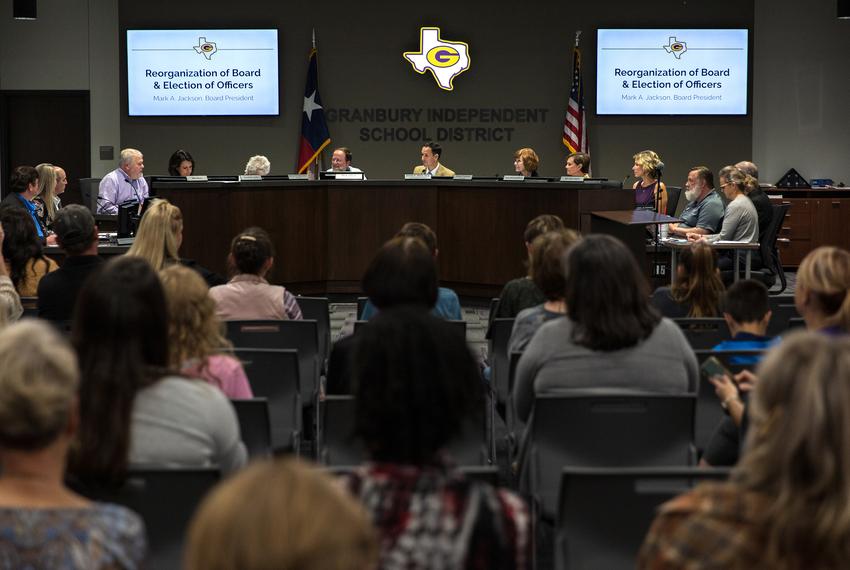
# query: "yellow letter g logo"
(442, 56)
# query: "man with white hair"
(123, 184)
(704, 212)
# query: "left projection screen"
(202, 72)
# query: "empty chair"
(603, 430)
(704, 333)
(316, 309)
(301, 335)
(673, 193)
(166, 498)
(500, 333)
(603, 514)
(274, 375)
(254, 425)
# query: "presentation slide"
(202, 72)
(671, 72)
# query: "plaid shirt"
(711, 527)
(434, 518)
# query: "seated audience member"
(402, 273)
(23, 186)
(698, 289)
(195, 335)
(611, 339)
(246, 516)
(785, 504)
(258, 165)
(431, 154)
(76, 233)
(448, 304)
(47, 203)
(159, 237)
(248, 296)
(522, 293)
(547, 274)
(822, 294)
(647, 169)
(10, 302)
(341, 161)
(740, 221)
(416, 386)
(133, 409)
(124, 184)
(24, 256)
(760, 200)
(703, 213)
(526, 162)
(578, 164)
(42, 523)
(181, 163)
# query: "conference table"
(326, 232)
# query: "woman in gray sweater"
(611, 340)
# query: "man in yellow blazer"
(431, 161)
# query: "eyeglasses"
(724, 185)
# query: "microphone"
(660, 167)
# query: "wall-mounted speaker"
(843, 9)
(24, 9)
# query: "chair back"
(459, 325)
(704, 333)
(361, 305)
(782, 315)
(475, 444)
(166, 499)
(709, 411)
(254, 426)
(89, 189)
(30, 306)
(317, 309)
(500, 333)
(586, 429)
(337, 444)
(673, 194)
(604, 514)
(491, 314)
(301, 335)
(767, 244)
(274, 375)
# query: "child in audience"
(698, 287)
(133, 409)
(416, 384)
(448, 304)
(42, 523)
(195, 334)
(547, 275)
(786, 503)
(281, 514)
(248, 296)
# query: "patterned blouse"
(434, 518)
(104, 536)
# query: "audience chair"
(704, 333)
(673, 194)
(476, 444)
(604, 514)
(494, 307)
(780, 318)
(166, 499)
(481, 473)
(317, 309)
(337, 444)
(30, 306)
(514, 425)
(254, 426)
(796, 323)
(274, 376)
(361, 304)
(461, 325)
(499, 359)
(301, 335)
(589, 429)
(709, 411)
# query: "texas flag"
(314, 129)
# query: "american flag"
(575, 124)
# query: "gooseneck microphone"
(660, 167)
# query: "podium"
(630, 227)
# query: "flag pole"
(318, 155)
(578, 35)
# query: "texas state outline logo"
(444, 59)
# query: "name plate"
(199, 178)
(572, 179)
(349, 176)
(417, 176)
(298, 177)
(463, 177)
(249, 177)
(513, 178)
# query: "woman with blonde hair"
(43, 524)
(787, 503)
(47, 202)
(195, 334)
(822, 295)
(698, 289)
(526, 162)
(647, 169)
(281, 514)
